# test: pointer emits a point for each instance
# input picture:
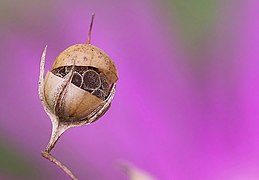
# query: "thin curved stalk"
(51, 158)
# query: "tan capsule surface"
(87, 55)
(78, 103)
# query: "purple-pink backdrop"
(185, 109)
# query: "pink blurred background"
(187, 101)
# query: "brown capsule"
(86, 64)
(78, 89)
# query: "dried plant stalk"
(59, 164)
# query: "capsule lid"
(87, 55)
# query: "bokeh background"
(187, 101)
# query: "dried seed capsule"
(77, 90)
(77, 101)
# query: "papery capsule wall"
(77, 102)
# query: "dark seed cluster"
(87, 78)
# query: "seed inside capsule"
(91, 80)
(88, 78)
(77, 79)
(99, 93)
(105, 84)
